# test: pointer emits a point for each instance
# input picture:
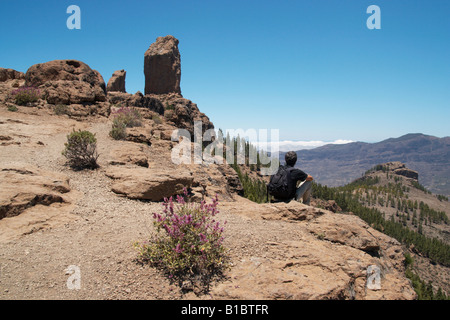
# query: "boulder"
(148, 183)
(129, 153)
(287, 211)
(117, 81)
(67, 82)
(162, 67)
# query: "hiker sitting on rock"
(283, 184)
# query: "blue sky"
(311, 69)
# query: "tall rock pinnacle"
(162, 67)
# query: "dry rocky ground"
(279, 251)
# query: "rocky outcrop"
(131, 153)
(162, 67)
(117, 81)
(67, 82)
(32, 199)
(179, 113)
(23, 187)
(331, 257)
(400, 169)
(10, 74)
(183, 113)
(148, 183)
(137, 100)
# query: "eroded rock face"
(117, 81)
(138, 100)
(400, 169)
(67, 82)
(24, 187)
(33, 199)
(10, 74)
(183, 113)
(178, 112)
(162, 67)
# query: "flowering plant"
(24, 95)
(124, 118)
(130, 117)
(189, 241)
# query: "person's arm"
(298, 174)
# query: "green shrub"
(169, 106)
(25, 95)
(124, 118)
(81, 150)
(188, 243)
(12, 108)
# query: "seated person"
(302, 193)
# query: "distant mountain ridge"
(337, 165)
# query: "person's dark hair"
(290, 158)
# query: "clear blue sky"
(311, 69)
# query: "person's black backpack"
(279, 183)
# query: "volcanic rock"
(117, 81)
(162, 67)
(328, 258)
(148, 183)
(10, 74)
(401, 170)
(136, 100)
(67, 82)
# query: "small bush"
(188, 243)
(169, 106)
(124, 118)
(130, 117)
(81, 150)
(25, 95)
(12, 108)
(118, 130)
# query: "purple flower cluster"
(28, 90)
(129, 117)
(189, 241)
(24, 95)
(190, 226)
